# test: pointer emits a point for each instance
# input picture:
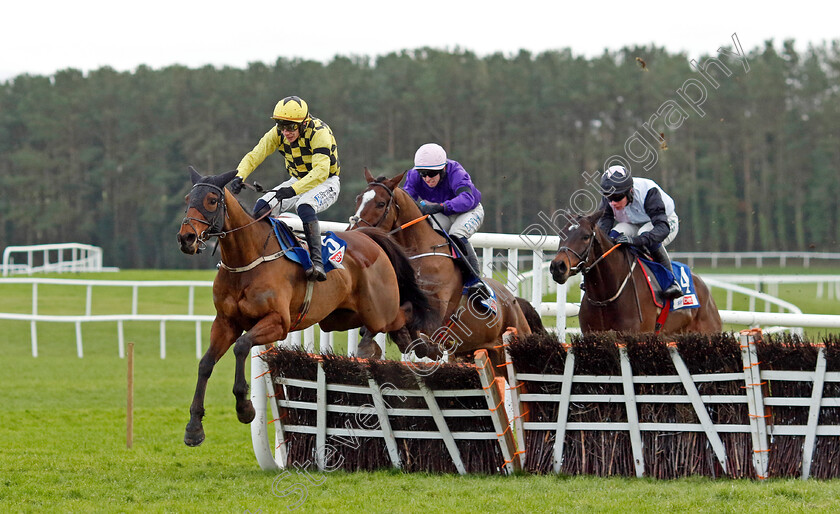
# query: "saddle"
(296, 250)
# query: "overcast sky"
(42, 37)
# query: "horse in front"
(262, 293)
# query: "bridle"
(584, 269)
(354, 220)
(215, 221)
(581, 265)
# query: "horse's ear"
(368, 176)
(195, 176)
(396, 181)
(222, 179)
(595, 216)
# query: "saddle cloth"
(332, 247)
(664, 277)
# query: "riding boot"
(661, 256)
(313, 239)
(468, 254)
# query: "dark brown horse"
(384, 205)
(267, 296)
(617, 295)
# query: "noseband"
(214, 221)
(357, 219)
(581, 265)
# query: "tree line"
(746, 142)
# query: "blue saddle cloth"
(332, 247)
(683, 275)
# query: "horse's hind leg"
(221, 337)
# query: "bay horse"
(383, 204)
(267, 296)
(617, 295)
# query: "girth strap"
(304, 307)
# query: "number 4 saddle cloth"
(662, 278)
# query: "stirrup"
(673, 291)
(316, 273)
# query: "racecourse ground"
(62, 435)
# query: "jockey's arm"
(655, 209)
(462, 187)
(462, 202)
(320, 144)
(320, 172)
(267, 145)
(607, 219)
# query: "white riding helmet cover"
(430, 156)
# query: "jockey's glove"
(624, 239)
(284, 193)
(430, 207)
(235, 185)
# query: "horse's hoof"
(247, 413)
(369, 350)
(194, 438)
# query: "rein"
(408, 224)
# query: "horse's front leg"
(272, 328)
(222, 335)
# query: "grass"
(63, 439)
(62, 434)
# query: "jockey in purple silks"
(445, 190)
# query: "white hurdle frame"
(757, 403)
(274, 456)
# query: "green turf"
(62, 435)
(64, 449)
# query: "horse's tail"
(409, 289)
(532, 316)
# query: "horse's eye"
(213, 201)
(587, 237)
(380, 204)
